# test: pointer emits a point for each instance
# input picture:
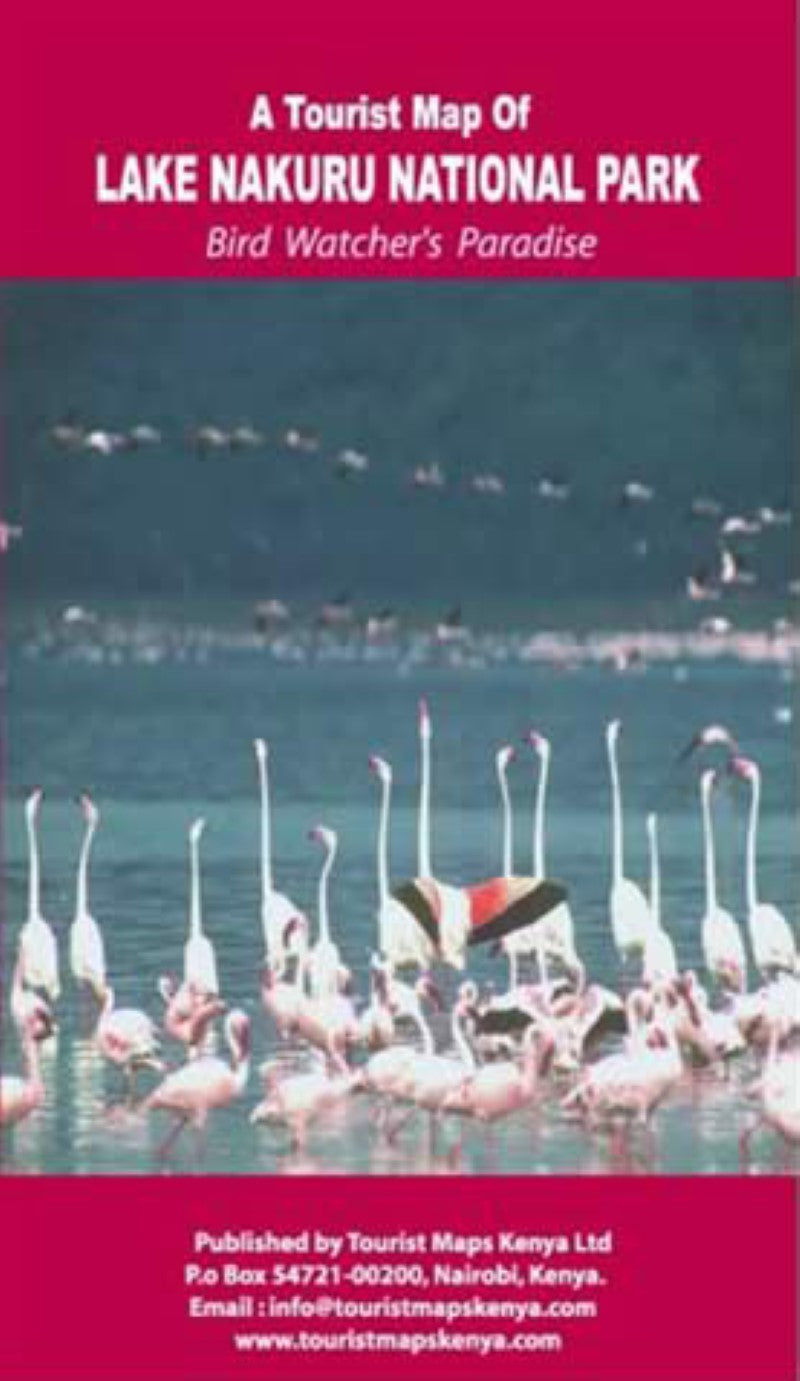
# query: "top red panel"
(697, 94)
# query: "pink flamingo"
(21, 1095)
(188, 1012)
(193, 1091)
(128, 1038)
(428, 1077)
(635, 1081)
(495, 1090)
(300, 1099)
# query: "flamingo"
(277, 910)
(660, 963)
(495, 1090)
(428, 1077)
(556, 930)
(20, 1095)
(401, 938)
(300, 1099)
(451, 904)
(525, 940)
(29, 1010)
(771, 938)
(285, 1000)
(779, 1089)
(199, 961)
(324, 968)
(385, 1070)
(127, 1037)
(630, 913)
(635, 1081)
(188, 1012)
(193, 1091)
(36, 939)
(86, 950)
(723, 949)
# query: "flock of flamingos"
(664, 1022)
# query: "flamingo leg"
(172, 1135)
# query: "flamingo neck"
(34, 882)
(461, 1043)
(33, 1069)
(82, 893)
(428, 1043)
(322, 905)
(708, 850)
(266, 831)
(300, 968)
(538, 816)
(508, 825)
(195, 909)
(655, 879)
(383, 844)
(616, 814)
(752, 834)
(424, 821)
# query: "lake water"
(161, 738)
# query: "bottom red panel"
(575, 1280)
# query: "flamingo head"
(90, 812)
(167, 986)
(538, 742)
(425, 729)
(504, 757)
(686, 987)
(712, 736)
(380, 767)
(428, 991)
(743, 768)
(612, 731)
(327, 838)
(293, 932)
(261, 750)
(33, 803)
(196, 831)
(237, 1030)
(652, 824)
(467, 999)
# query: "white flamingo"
(428, 1077)
(199, 960)
(401, 939)
(723, 948)
(629, 909)
(771, 936)
(277, 910)
(20, 1095)
(556, 930)
(323, 967)
(127, 1038)
(659, 960)
(193, 1091)
(86, 949)
(30, 1012)
(36, 939)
